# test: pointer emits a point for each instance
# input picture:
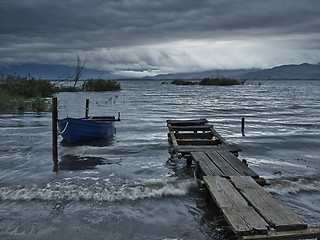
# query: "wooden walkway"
(194, 135)
(251, 212)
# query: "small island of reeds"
(210, 81)
(183, 82)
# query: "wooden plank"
(191, 128)
(188, 149)
(287, 235)
(218, 136)
(187, 122)
(206, 165)
(173, 139)
(274, 212)
(222, 164)
(206, 135)
(197, 142)
(242, 168)
(242, 218)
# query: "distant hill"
(201, 75)
(53, 72)
(302, 71)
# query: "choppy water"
(129, 188)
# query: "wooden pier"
(251, 212)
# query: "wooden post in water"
(55, 133)
(242, 127)
(87, 107)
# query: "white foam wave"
(95, 193)
(284, 187)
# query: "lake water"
(129, 187)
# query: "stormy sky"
(149, 37)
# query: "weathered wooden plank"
(242, 168)
(188, 149)
(206, 164)
(274, 212)
(287, 235)
(191, 128)
(173, 139)
(242, 218)
(206, 135)
(218, 136)
(187, 122)
(197, 142)
(222, 164)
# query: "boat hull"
(79, 130)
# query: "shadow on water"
(96, 143)
(73, 162)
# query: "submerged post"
(55, 132)
(242, 126)
(87, 107)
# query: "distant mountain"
(302, 71)
(201, 75)
(53, 72)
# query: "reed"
(25, 93)
(220, 82)
(100, 85)
(14, 103)
(183, 82)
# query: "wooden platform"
(251, 212)
(196, 135)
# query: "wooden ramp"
(251, 212)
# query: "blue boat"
(79, 130)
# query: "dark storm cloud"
(54, 29)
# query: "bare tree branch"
(79, 70)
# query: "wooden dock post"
(55, 133)
(242, 126)
(87, 107)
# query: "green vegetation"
(210, 81)
(25, 93)
(220, 82)
(26, 86)
(183, 82)
(100, 85)
(9, 102)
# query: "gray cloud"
(160, 35)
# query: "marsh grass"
(183, 82)
(210, 81)
(100, 85)
(14, 103)
(25, 93)
(220, 82)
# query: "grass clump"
(210, 81)
(183, 82)
(220, 82)
(14, 103)
(26, 86)
(24, 93)
(100, 85)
